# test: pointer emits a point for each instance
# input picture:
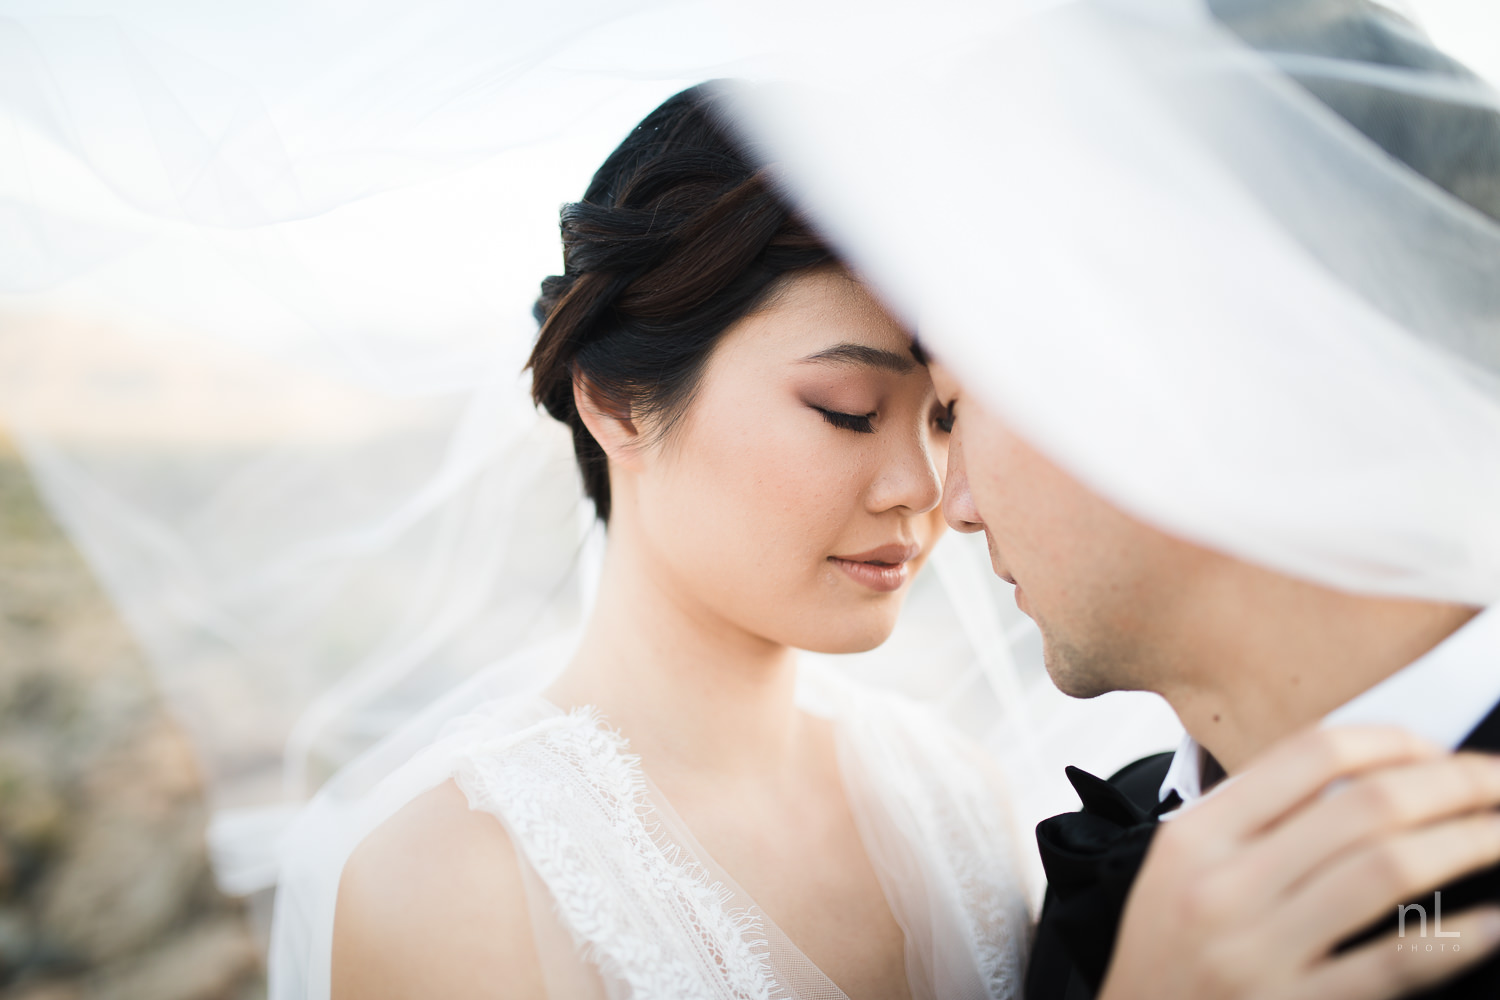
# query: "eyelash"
(848, 421)
(944, 419)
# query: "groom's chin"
(1075, 673)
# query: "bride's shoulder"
(432, 903)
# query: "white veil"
(266, 296)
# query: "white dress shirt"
(1442, 696)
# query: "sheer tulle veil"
(265, 298)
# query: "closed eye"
(848, 421)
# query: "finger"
(1294, 770)
(1395, 966)
(1376, 804)
(1369, 883)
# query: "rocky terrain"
(105, 890)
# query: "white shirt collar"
(1442, 696)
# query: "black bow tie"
(1091, 858)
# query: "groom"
(1244, 655)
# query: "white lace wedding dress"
(626, 904)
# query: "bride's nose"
(908, 478)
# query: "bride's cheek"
(796, 485)
(767, 481)
(802, 494)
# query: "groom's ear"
(608, 419)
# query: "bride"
(701, 817)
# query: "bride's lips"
(883, 569)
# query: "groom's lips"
(994, 550)
(882, 569)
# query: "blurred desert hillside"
(105, 889)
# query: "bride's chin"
(859, 634)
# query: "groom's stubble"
(1087, 671)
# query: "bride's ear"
(608, 420)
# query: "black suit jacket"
(1053, 976)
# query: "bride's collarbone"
(796, 851)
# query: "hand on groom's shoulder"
(1095, 855)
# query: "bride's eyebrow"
(863, 356)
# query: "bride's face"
(800, 492)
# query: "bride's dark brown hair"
(678, 236)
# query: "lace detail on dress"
(576, 803)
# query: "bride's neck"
(691, 690)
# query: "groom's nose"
(958, 503)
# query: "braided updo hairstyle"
(677, 237)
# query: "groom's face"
(1104, 589)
